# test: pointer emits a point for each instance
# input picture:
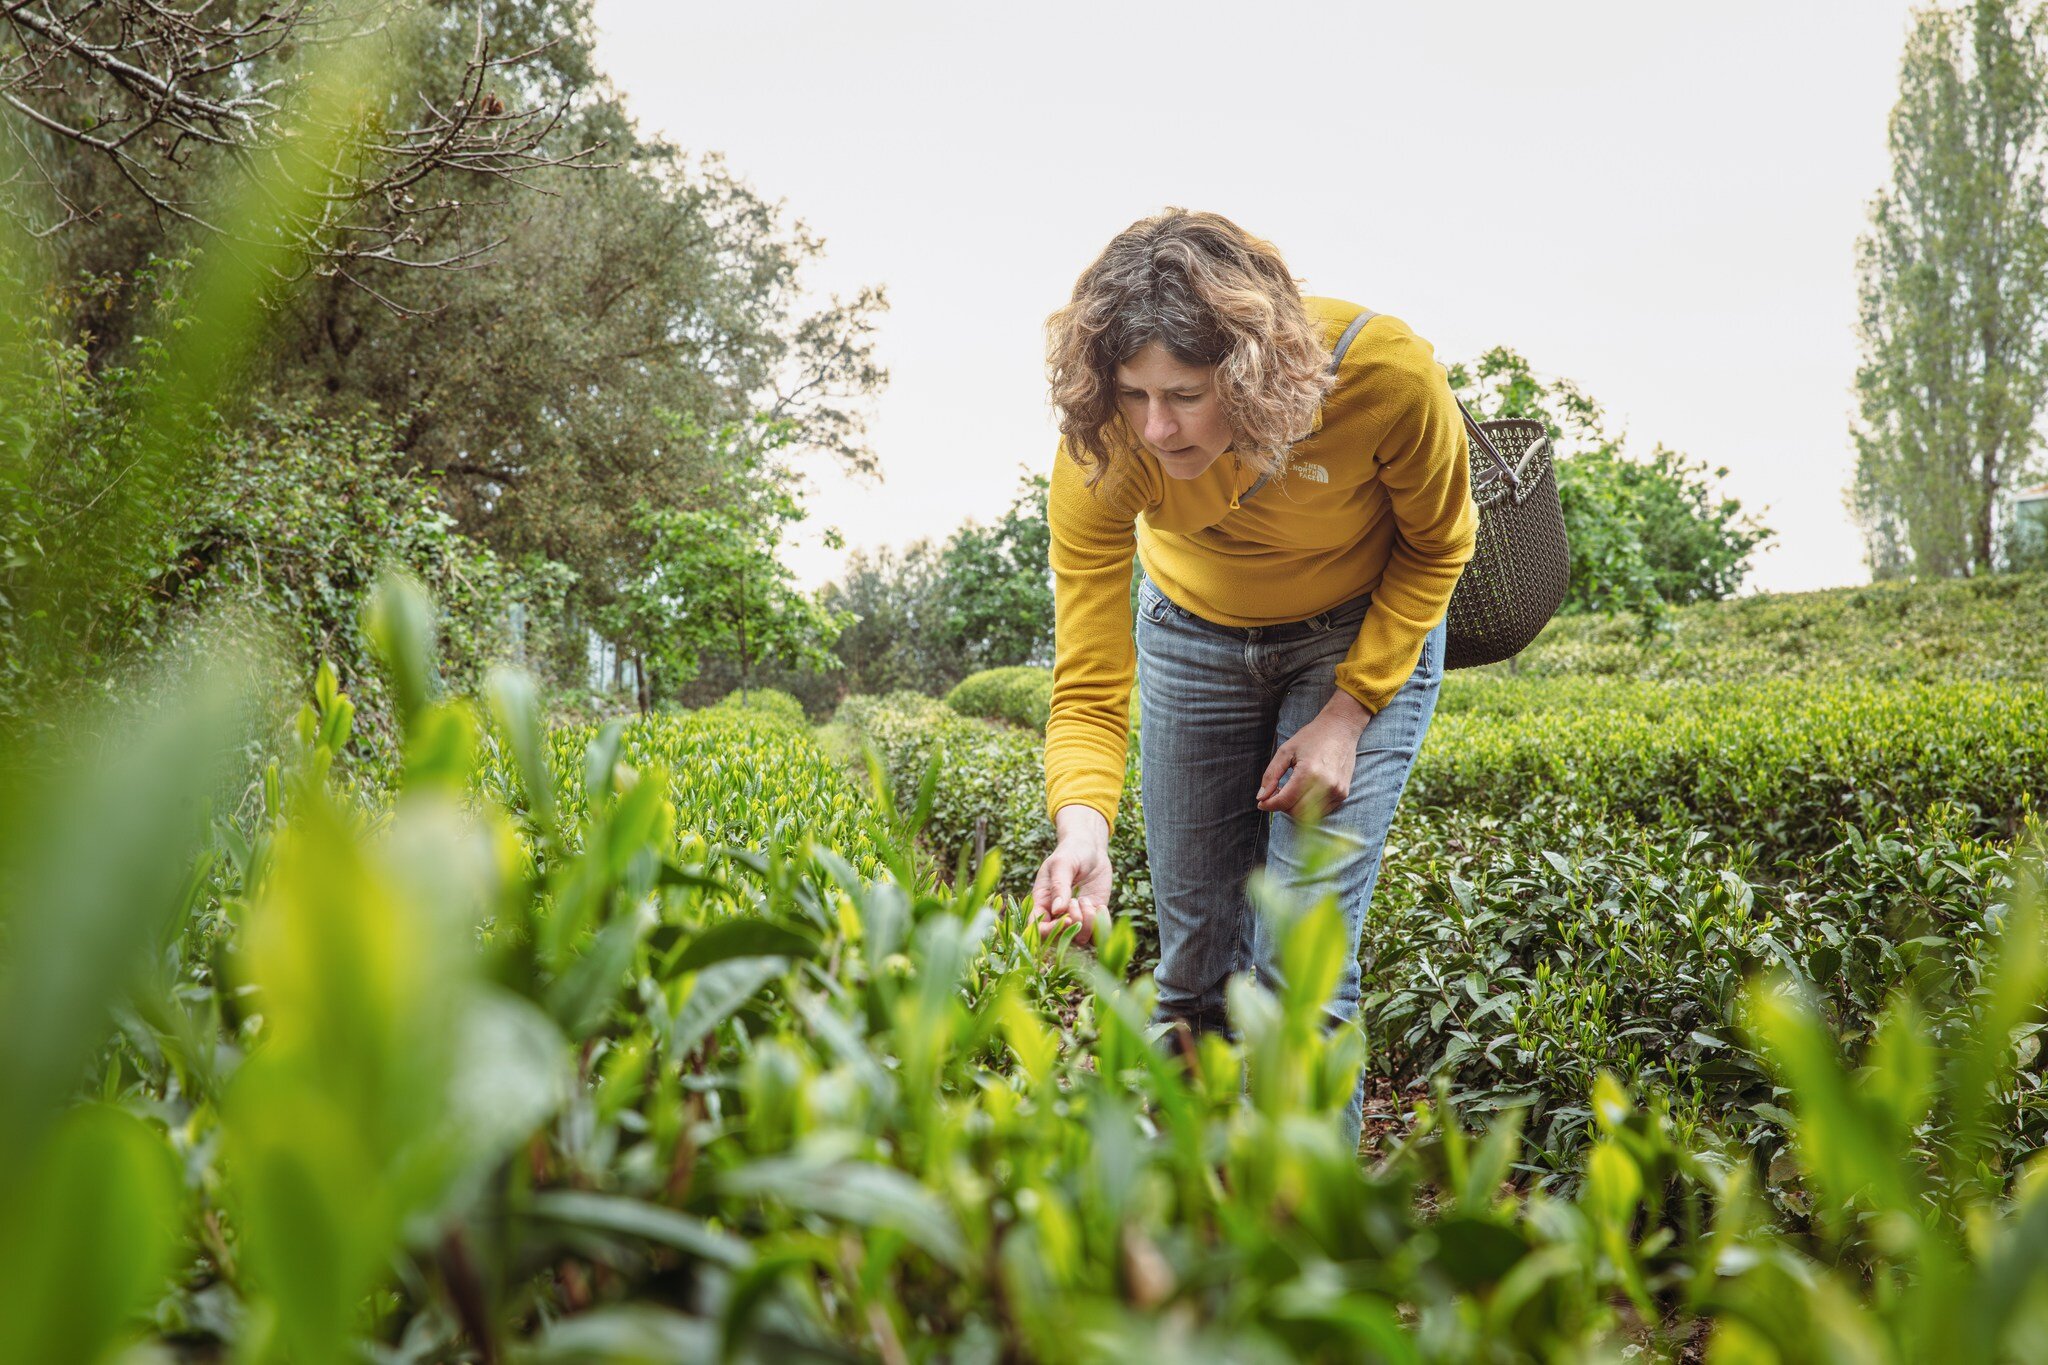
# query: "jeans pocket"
(1152, 603)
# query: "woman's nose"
(1159, 425)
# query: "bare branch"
(146, 84)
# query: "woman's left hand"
(1321, 753)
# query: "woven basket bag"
(1521, 563)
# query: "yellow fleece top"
(1378, 499)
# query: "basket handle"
(1472, 428)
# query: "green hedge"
(744, 778)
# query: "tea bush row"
(1516, 955)
(1571, 907)
(991, 780)
(744, 777)
(1776, 766)
(1990, 628)
(1987, 628)
(1773, 763)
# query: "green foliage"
(96, 481)
(711, 582)
(1517, 957)
(523, 360)
(537, 387)
(1963, 1268)
(925, 618)
(299, 516)
(893, 643)
(65, 441)
(1651, 533)
(995, 590)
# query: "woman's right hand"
(1074, 881)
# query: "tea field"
(1709, 1009)
(1605, 838)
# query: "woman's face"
(1173, 409)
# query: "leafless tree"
(155, 88)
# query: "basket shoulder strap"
(1365, 315)
(1472, 428)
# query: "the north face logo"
(1314, 473)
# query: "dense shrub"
(299, 517)
(1645, 534)
(765, 700)
(1020, 696)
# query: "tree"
(528, 384)
(526, 389)
(995, 593)
(1953, 294)
(893, 641)
(165, 99)
(1644, 534)
(536, 388)
(711, 583)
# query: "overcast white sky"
(1658, 202)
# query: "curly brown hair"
(1211, 294)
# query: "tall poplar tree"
(1953, 288)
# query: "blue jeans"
(1215, 702)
